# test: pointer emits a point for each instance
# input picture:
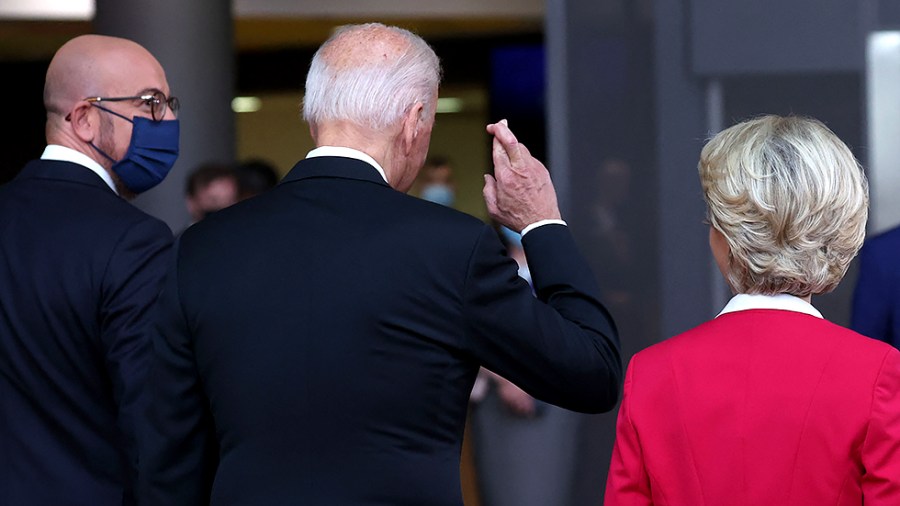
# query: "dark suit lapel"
(334, 167)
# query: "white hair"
(790, 199)
(377, 93)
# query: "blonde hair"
(790, 200)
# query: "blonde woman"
(768, 403)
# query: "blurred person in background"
(525, 448)
(210, 188)
(436, 182)
(254, 177)
(876, 299)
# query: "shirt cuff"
(541, 223)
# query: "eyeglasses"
(157, 102)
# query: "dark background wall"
(23, 138)
(775, 36)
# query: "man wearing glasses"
(80, 269)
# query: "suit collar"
(783, 301)
(65, 154)
(334, 167)
(62, 171)
(346, 152)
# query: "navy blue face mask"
(151, 154)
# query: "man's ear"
(85, 122)
(412, 125)
(313, 133)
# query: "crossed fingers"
(507, 152)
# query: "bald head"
(97, 65)
(354, 47)
(370, 75)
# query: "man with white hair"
(332, 363)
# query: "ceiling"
(34, 29)
(38, 40)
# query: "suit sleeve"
(871, 314)
(627, 483)
(131, 283)
(180, 451)
(561, 347)
(881, 447)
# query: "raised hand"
(520, 192)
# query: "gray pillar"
(556, 46)
(600, 149)
(686, 295)
(194, 42)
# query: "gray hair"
(790, 200)
(377, 92)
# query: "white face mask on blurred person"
(439, 193)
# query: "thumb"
(490, 193)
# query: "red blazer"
(760, 407)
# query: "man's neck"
(377, 145)
(67, 154)
(346, 152)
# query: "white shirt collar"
(783, 301)
(347, 153)
(64, 154)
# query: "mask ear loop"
(111, 159)
(114, 113)
(91, 144)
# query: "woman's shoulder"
(675, 351)
(730, 337)
(699, 337)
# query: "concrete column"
(194, 42)
(601, 155)
(686, 284)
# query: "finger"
(503, 146)
(490, 193)
(491, 126)
(523, 151)
(500, 157)
(508, 140)
(501, 130)
(524, 163)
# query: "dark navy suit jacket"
(876, 300)
(79, 270)
(318, 344)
